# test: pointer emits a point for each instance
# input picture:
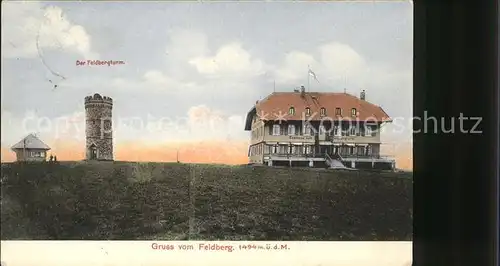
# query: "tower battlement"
(98, 99)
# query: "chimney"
(302, 90)
(362, 95)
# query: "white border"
(65, 253)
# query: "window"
(344, 131)
(352, 131)
(308, 111)
(38, 154)
(368, 150)
(307, 149)
(283, 149)
(338, 111)
(276, 130)
(353, 112)
(360, 150)
(291, 111)
(322, 130)
(275, 149)
(322, 111)
(368, 131)
(291, 130)
(307, 130)
(336, 131)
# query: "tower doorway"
(93, 152)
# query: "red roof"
(279, 103)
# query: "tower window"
(291, 111)
(338, 111)
(323, 111)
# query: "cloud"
(186, 43)
(338, 66)
(230, 61)
(294, 67)
(192, 71)
(156, 82)
(26, 23)
(333, 62)
(70, 126)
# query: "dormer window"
(308, 111)
(291, 111)
(338, 111)
(323, 111)
(353, 112)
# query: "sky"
(193, 70)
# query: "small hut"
(30, 148)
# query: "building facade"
(318, 130)
(30, 149)
(99, 127)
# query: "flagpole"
(308, 78)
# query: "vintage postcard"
(262, 131)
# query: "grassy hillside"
(123, 200)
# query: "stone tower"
(98, 128)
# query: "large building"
(30, 149)
(317, 129)
(99, 128)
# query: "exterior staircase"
(334, 162)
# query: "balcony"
(323, 155)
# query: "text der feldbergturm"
(99, 62)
